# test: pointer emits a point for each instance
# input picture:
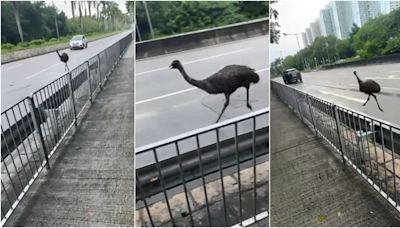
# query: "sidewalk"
(311, 187)
(90, 182)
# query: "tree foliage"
(37, 20)
(379, 36)
(174, 17)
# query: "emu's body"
(225, 81)
(64, 58)
(369, 87)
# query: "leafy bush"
(53, 39)
(23, 44)
(36, 42)
(392, 46)
(7, 46)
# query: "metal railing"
(33, 129)
(185, 168)
(369, 145)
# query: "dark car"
(291, 75)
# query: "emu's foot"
(381, 109)
(249, 107)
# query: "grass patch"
(9, 48)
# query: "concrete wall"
(394, 58)
(201, 38)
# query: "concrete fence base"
(202, 38)
(394, 58)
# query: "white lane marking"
(179, 92)
(382, 87)
(11, 67)
(342, 96)
(390, 77)
(37, 73)
(196, 60)
(164, 96)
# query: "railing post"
(36, 125)
(298, 106)
(71, 92)
(338, 132)
(90, 82)
(99, 70)
(311, 113)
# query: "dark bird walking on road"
(369, 87)
(64, 58)
(225, 81)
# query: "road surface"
(340, 87)
(166, 105)
(21, 78)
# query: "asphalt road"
(340, 87)
(19, 79)
(166, 105)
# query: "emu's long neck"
(358, 79)
(198, 83)
(58, 54)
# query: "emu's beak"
(170, 66)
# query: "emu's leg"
(225, 105)
(367, 100)
(248, 104)
(66, 67)
(377, 103)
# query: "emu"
(225, 81)
(369, 87)
(64, 58)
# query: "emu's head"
(176, 64)
(358, 79)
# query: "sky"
(66, 6)
(294, 17)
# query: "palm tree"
(97, 9)
(73, 5)
(90, 6)
(114, 12)
(17, 19)
(80, 15)
(105, 13)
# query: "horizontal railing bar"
(252, 220)
(190, 161)
(202, 130)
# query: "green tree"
(174, 17)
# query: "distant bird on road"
(64, 58)
(369, 87)
(225, 81)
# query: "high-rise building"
(315, 30)
(305, 41)
(339, 17)
(309, 36)
(388, 6)
(343, 18)
(365, 10)
(326, 22)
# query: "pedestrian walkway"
(90, 182)
(312, 187)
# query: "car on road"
(78, 42)
(291, 75)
